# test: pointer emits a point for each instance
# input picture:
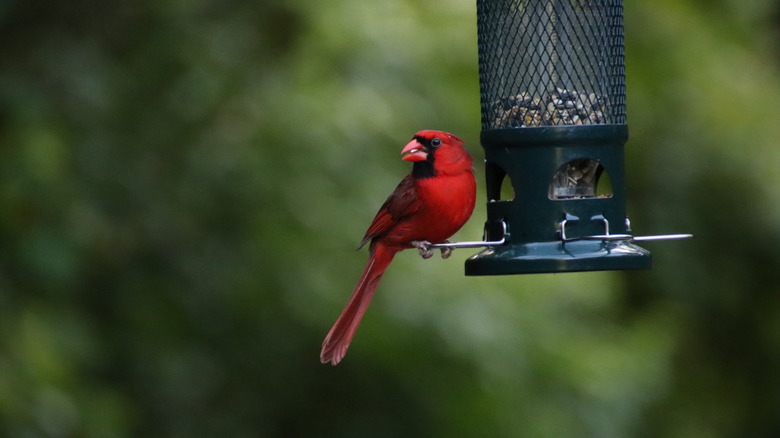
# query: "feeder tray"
(552, 91)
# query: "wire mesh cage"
(551, 62)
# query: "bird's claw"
(424, 247)
(426, 252)
(446, 251)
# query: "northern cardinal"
(429, 205)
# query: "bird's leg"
(424, 247)
(446, 251)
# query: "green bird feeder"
(553, 98)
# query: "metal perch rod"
(626, 237)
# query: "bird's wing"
(403, 202)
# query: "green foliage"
(182, 185)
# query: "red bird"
(428, 206)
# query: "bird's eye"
(436, 142)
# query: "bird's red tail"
(335, 345)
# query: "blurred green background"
(183, 184)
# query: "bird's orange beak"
(414, 151)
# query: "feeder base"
(549, 257)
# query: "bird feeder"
(553, 100)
